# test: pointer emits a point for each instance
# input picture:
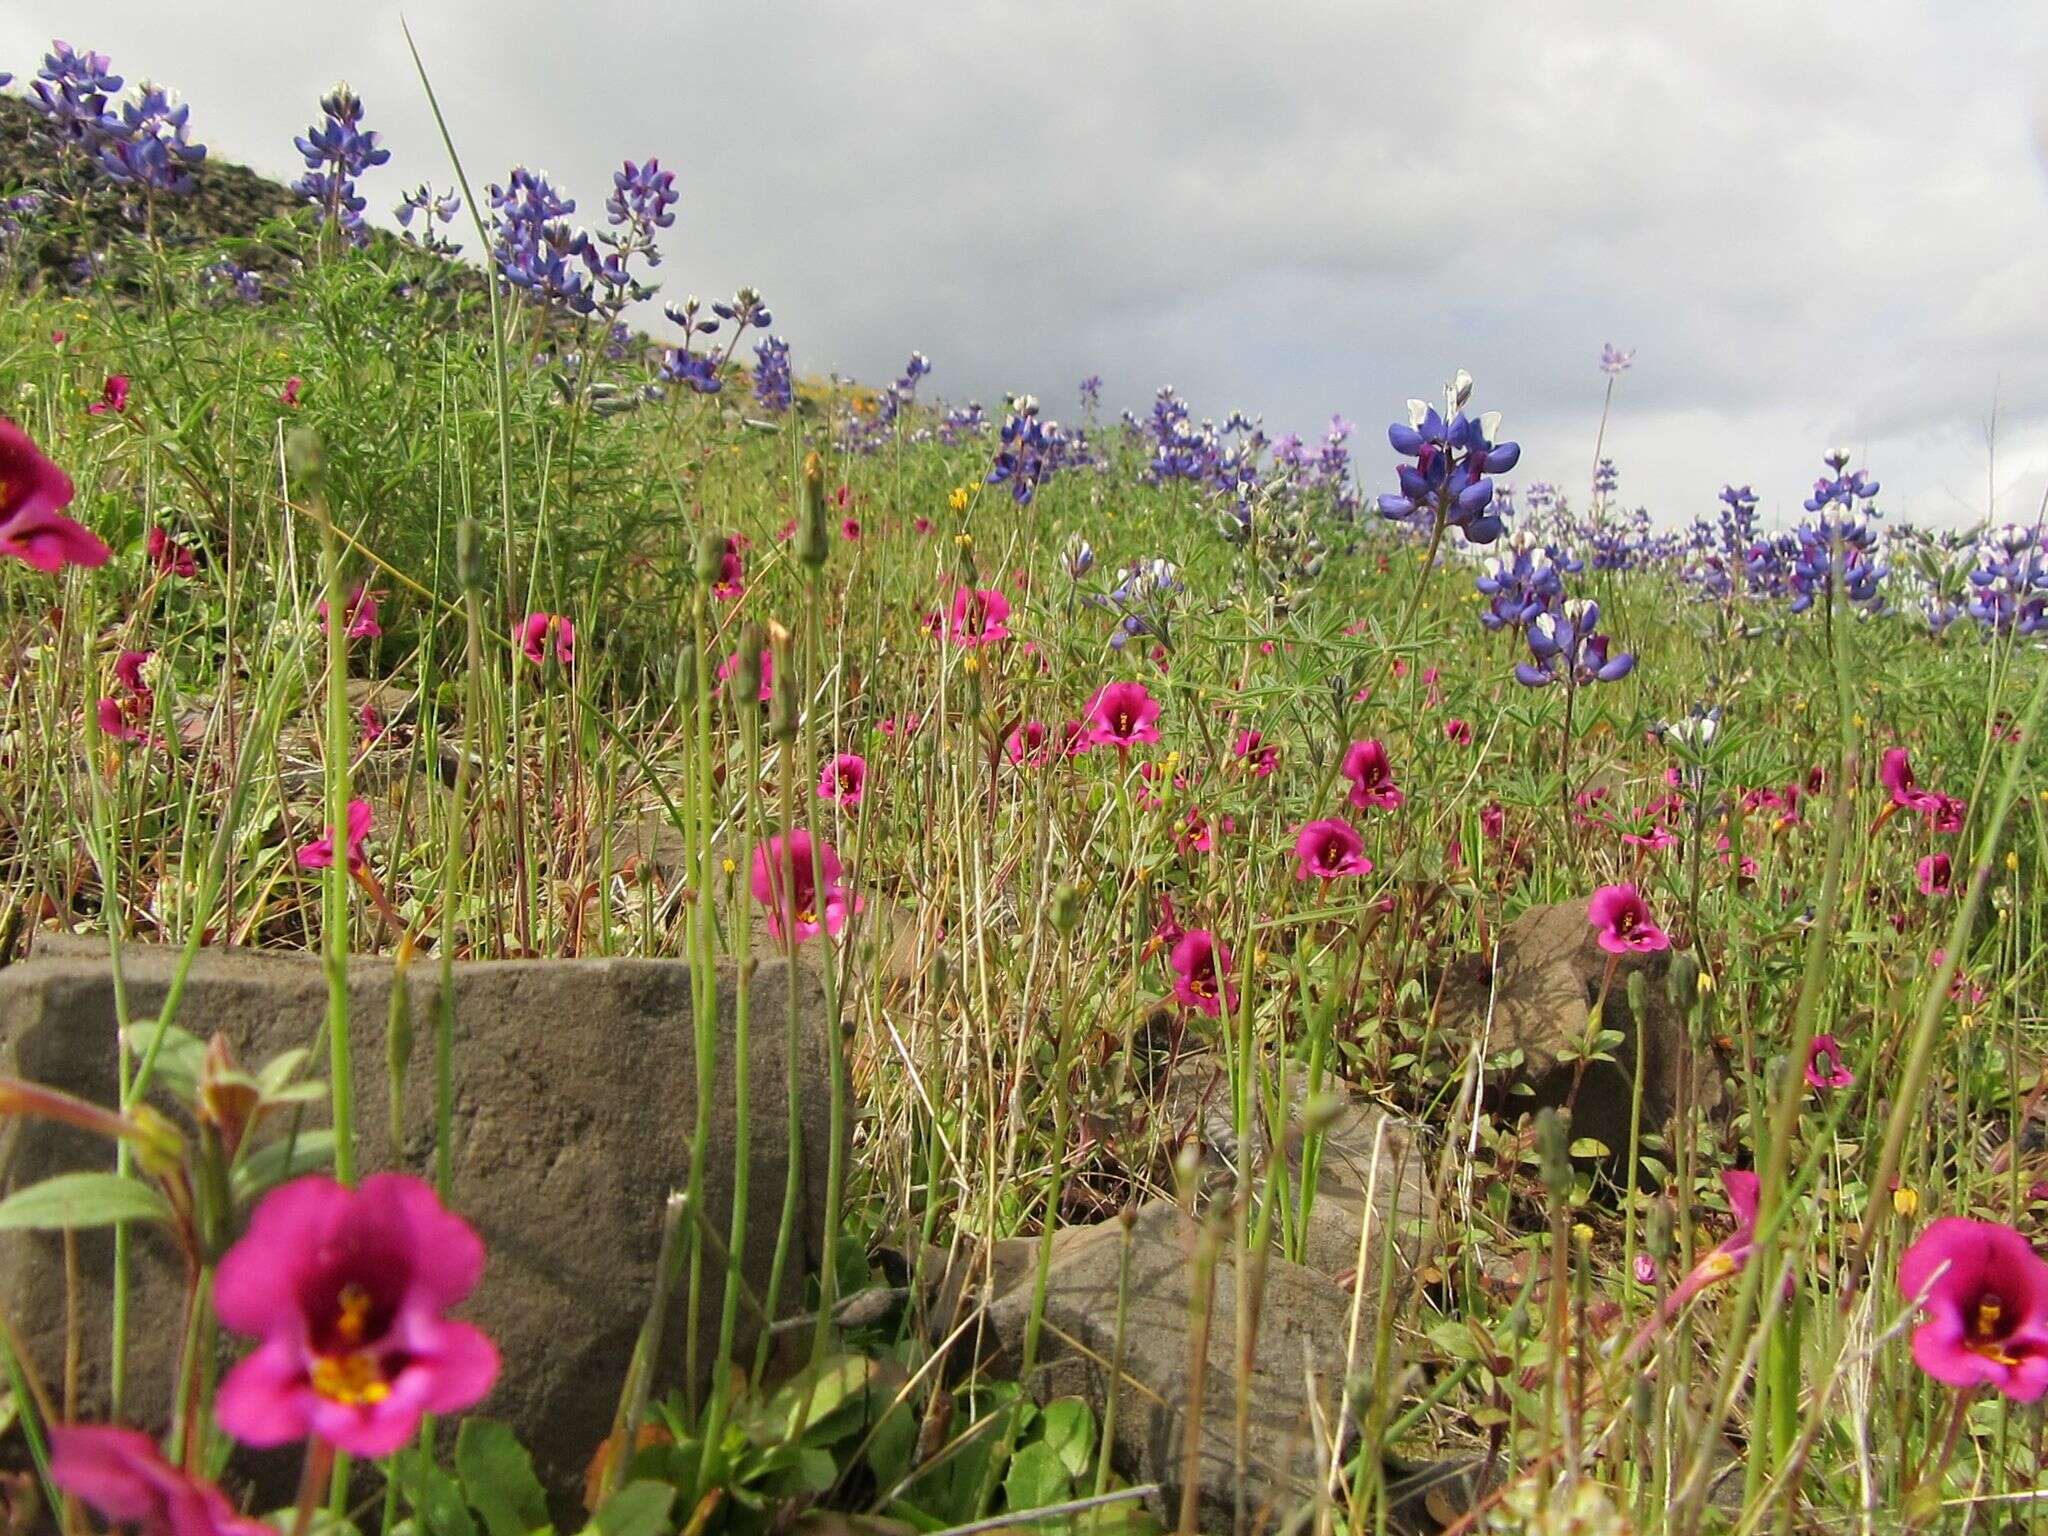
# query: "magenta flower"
(362, 613)
(732, 571)
(1624, 921)
(1263, 756)
(1733, 1251)
(1371, 776)
(1937, 875)
(844, 780)
(119, 1473)
(319, 854)
(1458, 732)
(1895, 772)
(817, 902)
(33, 494)
(850, 529)
(1824, 1065)
(1985, 1291)
(536, 629)
(1121, 715)
(1947, 813)
(981, 616)
(1324, 850)
(1201, 973)
(169, 556)
(113, 397)
(348, 1290)
(289, 395)
(1027, 745)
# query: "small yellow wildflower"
(731, 865)
(1905, 1200)
(958, 500)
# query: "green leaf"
(1067, 1424)
(286, 1158)
(81, 1200)
(178, 1060)
(497, 1478)
(1590, 1146)
(435, 1497)
(638, 1509)
(1037, 1477)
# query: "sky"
(1815, 224)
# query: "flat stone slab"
(574, 1107)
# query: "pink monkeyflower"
(1433, 698)
(373, 725)
(1646, 1269)
(113, 396)
(816, 903)
(348, 1291)
(1895, 773)
(1493, 822)
(1121, 715)
(1985, 1292)
(1946, 815)
(731, 664)
(1937, 875)
(1027, 744)
(33, 494)
(1198, 834)
(844, 780)
(535, 631)
(1167, 929)
(1262, 755)
(1824, 1065)
(850, 529)
(319, 854)
(1458, 732)
(128, 670)
(1073, 738)
(1201, 973)
(1371, 776)
(922, 525)
(121, 719)
(732, 571)
(1624, 921)
(121, 1475)
(891, 727)
(289, 395)
(169, 556)
(981, 616)
(361, 614)
(1327, 849)
(1728, 1256)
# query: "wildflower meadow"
(602, 932)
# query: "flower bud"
(813, 536)
(1684, 981)
(711, 546)
(744, 682)
(1553, 1153)
(1066, 908)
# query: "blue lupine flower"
(1519, 584)
(337, 150)
(866, 434)
(533, 245)
(2009, 582)
(1605, 479)
(1030, 451)
(1091, 392)
(149, 143)
(71, 93)
(1614, 361)
(699, 370)
(1842, 489)
(774, 386)
(1078, 556)
(1448, 484)
(432, 208)
(1567, 647)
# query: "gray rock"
(1196, 1106)
(1298, 1358)
(575, 1100)
(1541, 987)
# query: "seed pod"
(745, 679)
(711, 546)
(1066, 908)
(813, 538)
(1685, 980)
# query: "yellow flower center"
(355, 1377)
(1984, 1331)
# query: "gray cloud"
(1816, 223)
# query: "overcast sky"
(1816, 224)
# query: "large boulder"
(575, 1103)
(1536, 994)
(1366, 1159)
(1298, 1362)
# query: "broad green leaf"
(436, 1498)
(286, 1158)
(497, 1479)
(1067, 1424)
(82, 1200)
(638, 1509)
(1037, 1477)
(178, 1060)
